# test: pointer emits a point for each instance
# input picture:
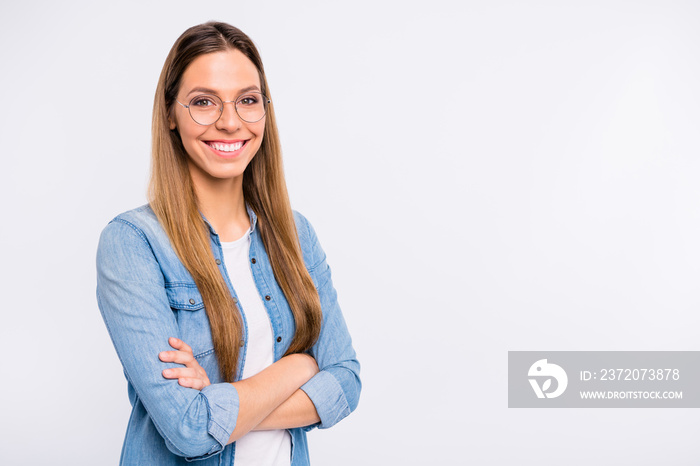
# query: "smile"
(225, 147)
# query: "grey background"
(484, 176)
(608, 371)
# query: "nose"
(229, 120)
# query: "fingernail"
(166, 372)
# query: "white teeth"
(227, 147)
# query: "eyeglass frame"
(266, 101)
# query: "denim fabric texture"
(146, 295)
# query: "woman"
(218, 297)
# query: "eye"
(204, 101)
(248, 100)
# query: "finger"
(179, 344)
(178, 357)
(190, 382)
(177, 372)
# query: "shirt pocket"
(187, 305)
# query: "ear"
(172, 124)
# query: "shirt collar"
(253, 218)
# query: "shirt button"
(268, 297)
(242, 343)
(235, 301)
(218, 262)
(191, 301)
(253, 260)
(279, 339)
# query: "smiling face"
(221, 151)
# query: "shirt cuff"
(328, 398)
(222, 402)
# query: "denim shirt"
(146, 295)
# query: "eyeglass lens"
(207, 109)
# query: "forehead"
(225, 72)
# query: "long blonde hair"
(173, 199)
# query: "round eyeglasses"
(206, 109)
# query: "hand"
(190, 376)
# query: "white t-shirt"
(268, 447)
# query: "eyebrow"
(211, 91)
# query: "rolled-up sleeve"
(335, 390)
(134, 305)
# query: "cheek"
(259, 131)
(258, 142)
(189, 135)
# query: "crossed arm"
(269, 400)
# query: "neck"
(222, 203)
